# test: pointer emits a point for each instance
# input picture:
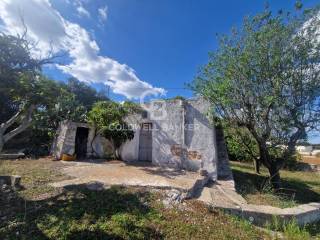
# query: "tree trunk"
(25, 123)
(275, 179)
(271, 165)
(117, 154)
(1, 142)
(257, 165)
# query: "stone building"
(170, 133)
(79, 139)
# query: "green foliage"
(178, 97)
(84, 94)
(264, 77)
(56, 102)
(240, 144)
(109, 119)
(22, 84)
(18, 72)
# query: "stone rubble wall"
(65, 140)
(224, 170)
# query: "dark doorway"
(81, 142)
(145, 142)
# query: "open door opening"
(81, 142)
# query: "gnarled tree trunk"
(271, 164)
(26, 119)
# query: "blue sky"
(157, 44)
(166, 41)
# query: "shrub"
(240, 144)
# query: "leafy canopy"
(265, 77)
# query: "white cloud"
(103, 13)
(46, 26)
(82, 11)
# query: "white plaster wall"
(173, 144)
(66, 135)
(168, 132)
(201, 138)
(129, 151)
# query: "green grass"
(42, 212)
(301, 188)
(298, 187)
(289, 230)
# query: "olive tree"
(265, 77)
(19, 85)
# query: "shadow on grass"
(250, 183)
(78, 213)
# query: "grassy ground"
(298, 187)
(42, 212)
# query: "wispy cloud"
(103, 13)
(47, 26)
(82, 11)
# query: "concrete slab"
(120, 173)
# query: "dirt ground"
(120, 173)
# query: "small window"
(144, 114)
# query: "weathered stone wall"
(102, 147)
(65, 139)
(182, 136)
(200, 138)
(224, 171)
(168, 133)
(129, 151)
(58, 143)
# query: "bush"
(240, 144)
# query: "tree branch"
(13, 119)
(24, 124)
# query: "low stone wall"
(222, 195)
(261, 215)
